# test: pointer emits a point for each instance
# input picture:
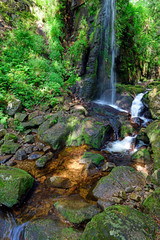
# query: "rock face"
(152, 203)
(76, 210)
(120, 222)
(118, 180)
(154, 103)
(49, 230)
(153, 133)
(14, 183)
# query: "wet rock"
(46, 148)
(10, 163)
(89, 157)
(124, 102)
(152, 203)
(126, 129)
(5, 158)
(156, 177)
(35, 155)
(14, 184)
(39, 147)
(108, 166)
(41, 162)
(142, 156)
(13, 107)
(154, 103)
(142, 136)
(118, 180)
(136, 197)
(20, 117)
(29, 139)
(20, 155)
(60, 182)
(48, 229)
(10, 137)
(153, 133)
(34, 122)
(120, 222)
(9, 147)
(136, 122)
(117, 200)
(76, 210)
(122, 194)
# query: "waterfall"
(106, 70)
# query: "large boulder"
(153, 133)
(154, 103)
(117, 181)
(14, 183)
(49, 229)
(13, 107)
(152, 203)
(76, 210)
(120, 222)
(9, 147)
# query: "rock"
(108, 166)
(46, 148)
(39, 147)
(124, 102)
(20, 155)
(122, 194)
(154, 103)
(9, 147)
(117, 200)
(5, 158)
(35, 114)
(89, 157)
(136, 197)
(152, 203)
(34, 122)
(20, 117)
(118, 180)
(156, 177)
(76, 210)
(29, 139)
(126, 129)
(50, 122)
(35, 155)
(129, 189)
(79, 109)
(60, 182)
(14, 184)
(49, 229)
(10, 137)
(66, 107)
(138, 189)
(28, 148)
(120, 222)
(153, 133)
(41, 162)
(13, 107)
(141, 156)
(2, 131)
(142, 136)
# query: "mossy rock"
(155, 178)
(34, 122)
(152, 203)
(2, 131)
(20, 117)
(50, 229)
(141, 156)
(76, 210)
(89, 157)
(13, 107)
(126, 130)
(142, 136)
(14, 183)
(9, 147)
(120, 222)
(10, 137)
(154, 103)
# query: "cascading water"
(106, 71)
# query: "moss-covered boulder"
(41, 162)
(76, 210)
(142, 136)
(126, 129)
(20, 117)
(118, 180)
(14, 183)
(50, 229)
(13, 107)
(142, 156)
(2, 131)
(156, 177)
(154, 103)
(9, 147)
(34, 122)
(120, 222)
(89, 157)
(152, 203)
(10, 137)
(153, 133)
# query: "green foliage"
(3, 119)
(92, 6)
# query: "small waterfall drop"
(106, 73)
(137, 105)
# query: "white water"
(121, 146)
(103, 102)
(137, 105)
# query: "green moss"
(92, 157)
(10, 136)
(152, 203)
(9, 147)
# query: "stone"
(5, 158)
(126, 129)
(66, 107)
(79, 109)
(156, 177)
(120, 222)
(39, 147)
(118, 180)
(129, 189)
(9, 147)
(14, 184)
(89, 157)
(28, 148)
(2, 131)
(152, 203)
(138, 189)
(142, 136)
(42, 161)
(124, 102)
(20, 155)
(142, 156)
(76, 210)
(117, 200)
(136, 197)
(35, 155)
(49, 229)
(13, 107)
(108, 166)
(60, 182)
(10, 137)
(154, 103)
(20, 117)
(29, 139)
(122, 194)
(34, 122)
(46, 148)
